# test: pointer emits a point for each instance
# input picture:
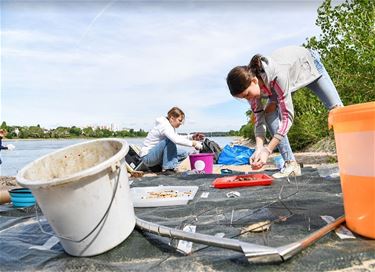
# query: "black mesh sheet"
(293, 207)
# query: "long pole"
(253, 252)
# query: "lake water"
(28, 150)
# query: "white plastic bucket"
(83, 190)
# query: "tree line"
(37, 132)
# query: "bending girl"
(274, 79)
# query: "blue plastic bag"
(235, 155)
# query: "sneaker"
(291, 168)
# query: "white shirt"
(162, 130)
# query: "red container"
(242, 180)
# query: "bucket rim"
(201, 154)
(120, 155)
(351, 113)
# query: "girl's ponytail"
(256, 66)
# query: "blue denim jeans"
(326, 91)
(166, 154)
(323, 87)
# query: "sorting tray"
(162, 195)
(242, 180)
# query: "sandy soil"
(7, 183)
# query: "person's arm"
(260, 122)
(259, 131)
(285, 104)
(171, 134)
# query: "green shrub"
(347, 48)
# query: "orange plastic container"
(354, 128)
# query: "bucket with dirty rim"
(83, 192)
(202, 162)
(354, 128)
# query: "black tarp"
(294, 207)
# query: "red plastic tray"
(242, 180)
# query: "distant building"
(115, 127)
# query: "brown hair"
(239, 78)
(176, 112)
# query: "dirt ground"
(7, 183)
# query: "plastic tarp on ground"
(294, 207)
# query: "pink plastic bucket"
(202, 162)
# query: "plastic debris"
(185, 246)
(257, 227)
(341, 231)
(233, 194)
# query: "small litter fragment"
(329, 172)
(183, 246)
(257, 227)
(283, 218)
(205, 194)
(136, 174)
(220, 234)
(342, 232)
(233, 194)
(50, 243)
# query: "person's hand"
(264, 154)
(254, 158)
(197, 145)
(198, 136)
(259, 158)
(10, 147)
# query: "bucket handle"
(117, 165)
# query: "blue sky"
(66, 63)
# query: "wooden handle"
(321, 232)
(4, 196)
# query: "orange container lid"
(358, 117)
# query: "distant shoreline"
(89, 138)
(64, 139)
